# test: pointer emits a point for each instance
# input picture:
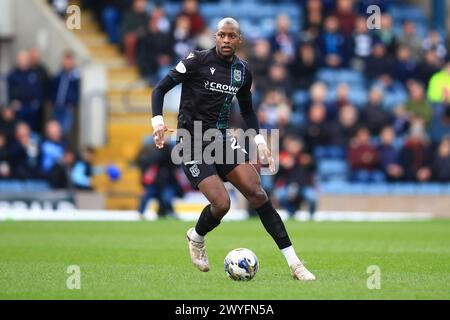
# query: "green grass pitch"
(149, 260)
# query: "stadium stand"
(378, 82)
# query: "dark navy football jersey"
(209, 84)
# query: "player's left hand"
(266, 155)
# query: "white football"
(241, 264)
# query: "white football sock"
(290, 255)
(196, 237)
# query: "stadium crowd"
(378, 99)
(37, 123)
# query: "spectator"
(272, 106)
(389, 155)
(159, 179)
(362, 44)
(60, 173)
(81, 174)
(205, 40)
(393, 91)
(260, 61)
(346, 16)
(313, 20)
(5, 170)
(386, 34)
(415, 155)
(183, 42)
(332, 44)
(66, 94)
(52, 149)
(429, 65)
(441, 163)
(401, 122)
(111, 18)
(318, 93)
(8, 122)
(317, 130)
(294, 180)
(24, 154)
(439, 87)
(417, 104)
(363, 158)
(347, 125)
(379, 62)
(373, 117)
(440, 127)
(411, 40)
(40, 69)
(342, 95)
(190, 10)
(133, 27)
(405, 66)
(155, 49)
(434, 42)
(283, 42)
(278, 80)
(304, 68)
(25, 92)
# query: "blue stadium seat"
(332, 169)
(330, 152)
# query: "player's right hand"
(158, 135)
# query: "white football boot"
(197, 251)
(299, 272)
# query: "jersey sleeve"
(244, 97)
(185, 68)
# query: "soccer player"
(210, 79)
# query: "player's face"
(227, 40)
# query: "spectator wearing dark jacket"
(405, 65)
(346, 126)
(8, 122)
(379, 62)
(317, 130)
(260, 60)
(66, 94)
(373, 116)
(294, 181)
(25, 92)
(24, 154)
(155, 48)
(386, 34)
(158, 178)
(134, 24)
(60, 174)
(389, 155)
(303, 69)
(441, 163)
(333, 45)
(415, 156)
(5, 169)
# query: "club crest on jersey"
(195, 171)
(237, 75)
